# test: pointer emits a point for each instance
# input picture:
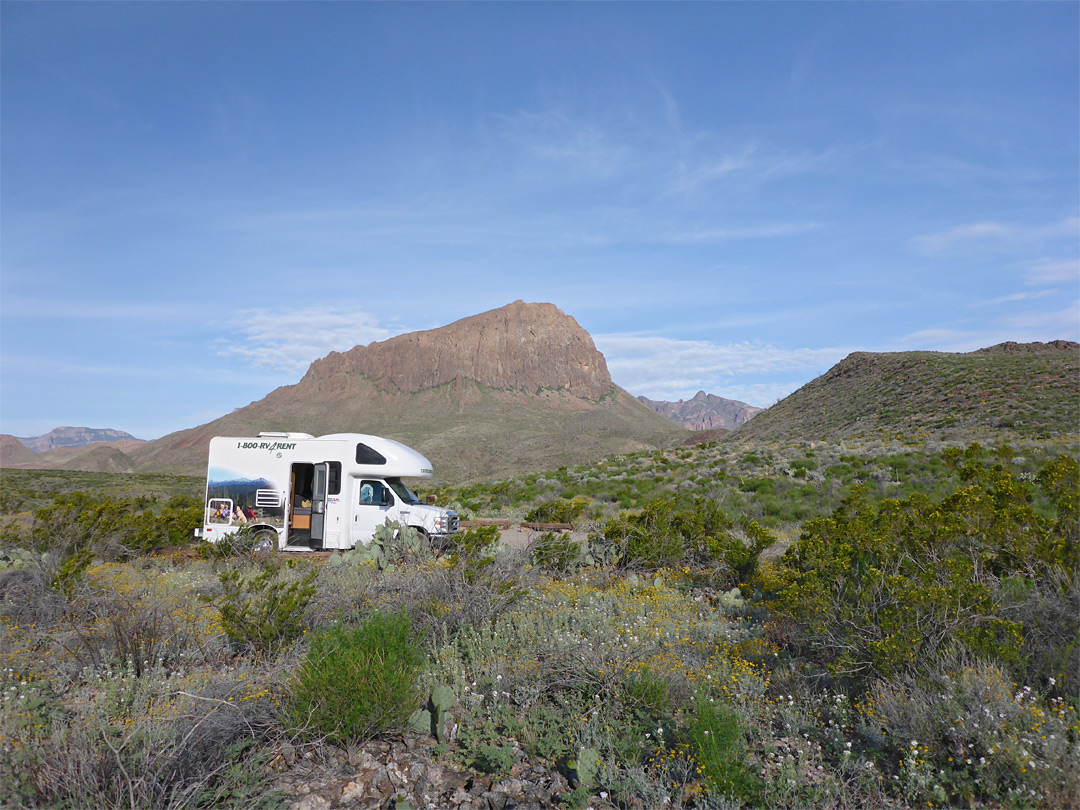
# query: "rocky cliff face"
(520, 347)
(705, 412)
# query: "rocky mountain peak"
(522, 346)
(704, 412)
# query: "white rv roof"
(362, 453)
(401, 460)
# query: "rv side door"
(318, 503)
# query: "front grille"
(452, 522)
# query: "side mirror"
(387, 498)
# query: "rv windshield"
(402, 491)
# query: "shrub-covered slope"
(996, 394)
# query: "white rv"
(302, 493)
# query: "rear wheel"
(264, 541)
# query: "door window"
(371, 493)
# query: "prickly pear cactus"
(420, 721)
(588, 766)
(16, 558)
(732, 599)
(442, 700)
(436, 718)
(385, 534)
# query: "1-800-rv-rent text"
(302, 493)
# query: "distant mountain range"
(523, 388)
(704, 412)
(74, 437)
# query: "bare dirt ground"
(518, 538)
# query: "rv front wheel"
(426, 539)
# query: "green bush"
(473, 552)
(721, 753)
(878, 589)
(555, 551)
(263, 612)
(664, 534)
(561, 510)
(357, 683)
(107, 526)
(241, 543)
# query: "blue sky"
(199, 199)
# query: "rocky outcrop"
(520, 347)
(705, 412)
(1012, 347)
(389, 774)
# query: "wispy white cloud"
(763, 395)
(1062, 323)
(1025, 327)
(991, 235)
(289, 340)
(702, 168)
(1052, 271)
(692, 236)
(558, 139)
(655, 158)
(1019, 296)
(668, 368)
(691, 174)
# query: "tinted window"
(365, 455)
(371, 493)
(402, 491)
(333, 486)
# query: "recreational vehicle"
(302, 493)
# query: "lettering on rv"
(269, 447)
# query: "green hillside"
(1005, 393)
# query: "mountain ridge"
(74, 437)
(1008, 390)
(704, 411)
(516, 388)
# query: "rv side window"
(366, 455)
(333, 484)
(371, 493)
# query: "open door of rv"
(318, 503)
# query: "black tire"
(264, 541)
